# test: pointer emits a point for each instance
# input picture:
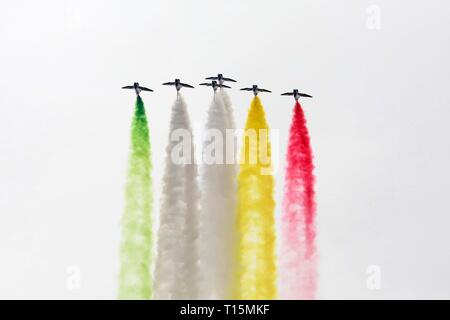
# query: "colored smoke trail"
(256, 267)
(176, 274)
(135, 276)
(298, 253)
(217, 208)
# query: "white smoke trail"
(230, 191)
(176, 267)
(217, 207)
(190, 272)
(232, 166)
(231, 148)
(228, 108)
(231, 143)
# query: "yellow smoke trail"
(256, 268)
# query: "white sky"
(378, 121)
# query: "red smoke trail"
(298, 254)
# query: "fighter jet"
(255, 90)
(137, 88)
(214, 85)
(178, 84)
(220, 78)
(296, 94)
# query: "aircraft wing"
(265, 90)
(168, 83)
(186, 85)
(128, 87)
(229, 79)
(145, 89)
(224, 86)
(304, 95)
(287, 94)
(211, 78)
(246, 89)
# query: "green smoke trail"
(136, 249)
